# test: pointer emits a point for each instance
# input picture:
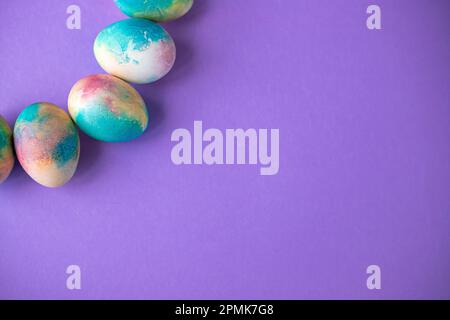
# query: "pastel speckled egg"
(6, 150)
(47, 144)
(136, 50)
(108, 109)
(156, 10)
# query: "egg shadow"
(17, 178)
(183, 67)
(90, 152)
(198, 9)
(156, 115)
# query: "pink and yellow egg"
(47, 144)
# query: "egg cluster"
(105, 107)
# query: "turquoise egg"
(6, 150)
(108, 109)
(156, 10)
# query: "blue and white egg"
(136, 50)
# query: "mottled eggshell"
(156, 10)
(108, 109)
(136, 50)
(6, 150)
(47, 144)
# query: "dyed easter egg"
(108, 109)
(156, 10)
(6, 150)
(136, 50)
(47, 144)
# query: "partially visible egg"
(136, 50)
(47, 144)
(108, 109)
(156, 10)
(6, 150)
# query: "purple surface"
(364, 175)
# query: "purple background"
(364, 175)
